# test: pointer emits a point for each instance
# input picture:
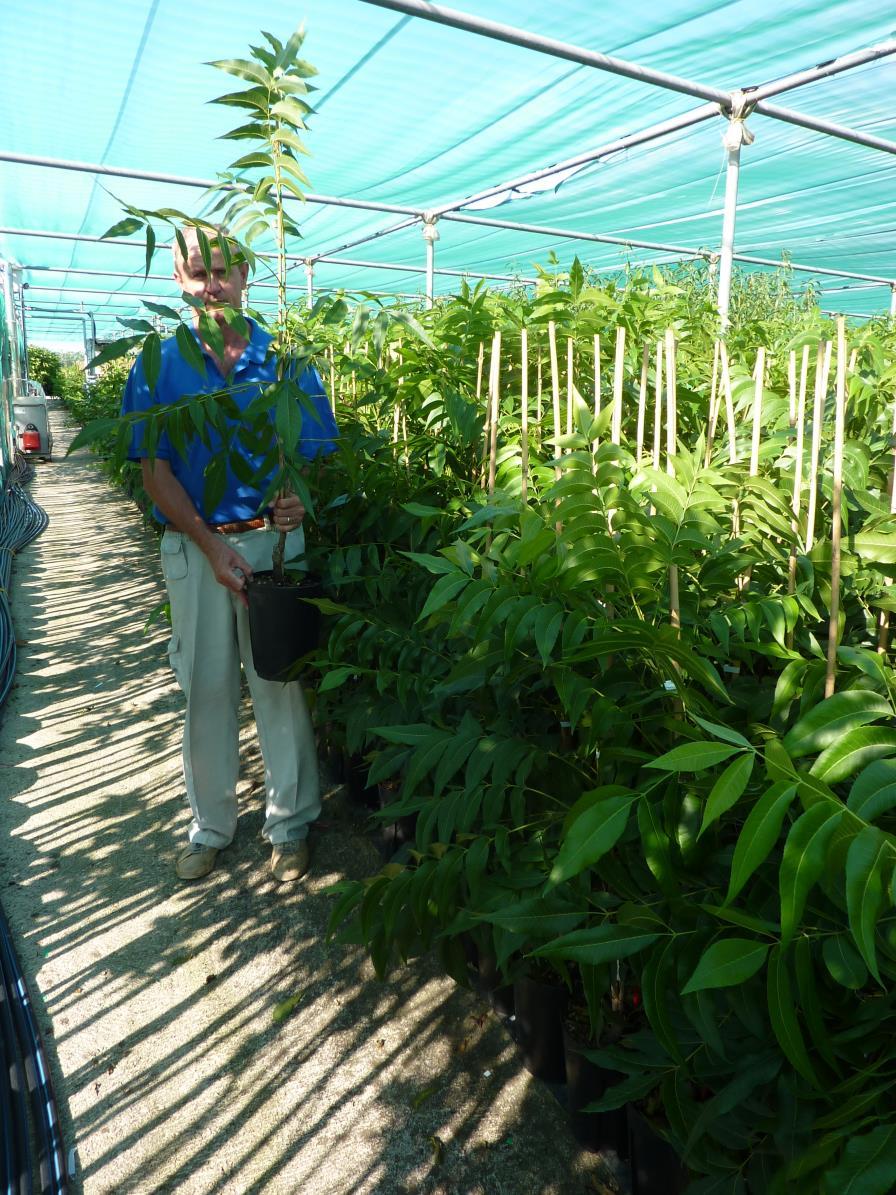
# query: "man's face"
(216, 289)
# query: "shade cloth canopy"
(416, 114)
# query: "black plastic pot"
(283, 627)
(394, 834)
(586, 1082)
(656, 1167)
(539, 1022)
(490, 984)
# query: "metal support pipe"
(309, 283)
(617, 66)
(430, 236)
(729, 219)
(892, 302)
(204, 183)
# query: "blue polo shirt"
(254, 370)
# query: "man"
(206, 557)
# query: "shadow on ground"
(178, 1067)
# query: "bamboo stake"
(729, 403)
(658, 405)
(618, 378)
(555, 388)
(822, 362)
(759, 374)
(642, 405)
(671, 447)
(539, 412)
(332, 372)
(596, 375)
(524, 421)
(883, 616)
(570, 384)
(837, 502)
(798, 452)
(494, 375)
(480, 359)
(715, 402)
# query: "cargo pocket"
(175, 658)
(174, 556)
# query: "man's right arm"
(176, 505)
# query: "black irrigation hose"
(37, 1071)
(21, 520)
(16, 1135)
(25, 1070)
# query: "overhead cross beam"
(630, 70)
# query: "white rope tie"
(737, 133)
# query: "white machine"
(33, 435)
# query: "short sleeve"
(138, 398)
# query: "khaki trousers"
(210, 638)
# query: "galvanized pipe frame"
(508, 33)
(618, 66)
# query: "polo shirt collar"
(256, 350)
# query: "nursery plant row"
(607, 621)
(608, 615)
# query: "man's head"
(220, 287)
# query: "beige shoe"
(196, 861)
(290, 860)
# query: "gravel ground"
(157, 999)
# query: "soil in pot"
(540, 1000)
(283, 626)
(656, 1167)
(586, 1081)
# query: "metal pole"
(309, 282)
(892, 302)
(726, 254)
(618, 66)
(204, 183)
(430, 235)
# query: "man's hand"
(230, 568)
(288, 513)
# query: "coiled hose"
(24, 1073)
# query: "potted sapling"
(268, 434)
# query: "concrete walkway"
(158, 999)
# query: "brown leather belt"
(239, 526)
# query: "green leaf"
(693, 757)
(723, 732)
(782, 1011)
(727, 790)
(242, 68)
(727, 962)
(873, 791)
(594, 832)
(868, 1165)
(114, 350)
(124, 228)
(162, 309)
(635, 1087)
(444, 590)
(657, 982)
(286, 1007)
(855, 750)
(868, 859)
(803, 861)
(189, 348)
(827, 721)
(599, 944)
(759, 834)
(844, 962)
(152, 359)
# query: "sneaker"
(290, 860)
(196, 861)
